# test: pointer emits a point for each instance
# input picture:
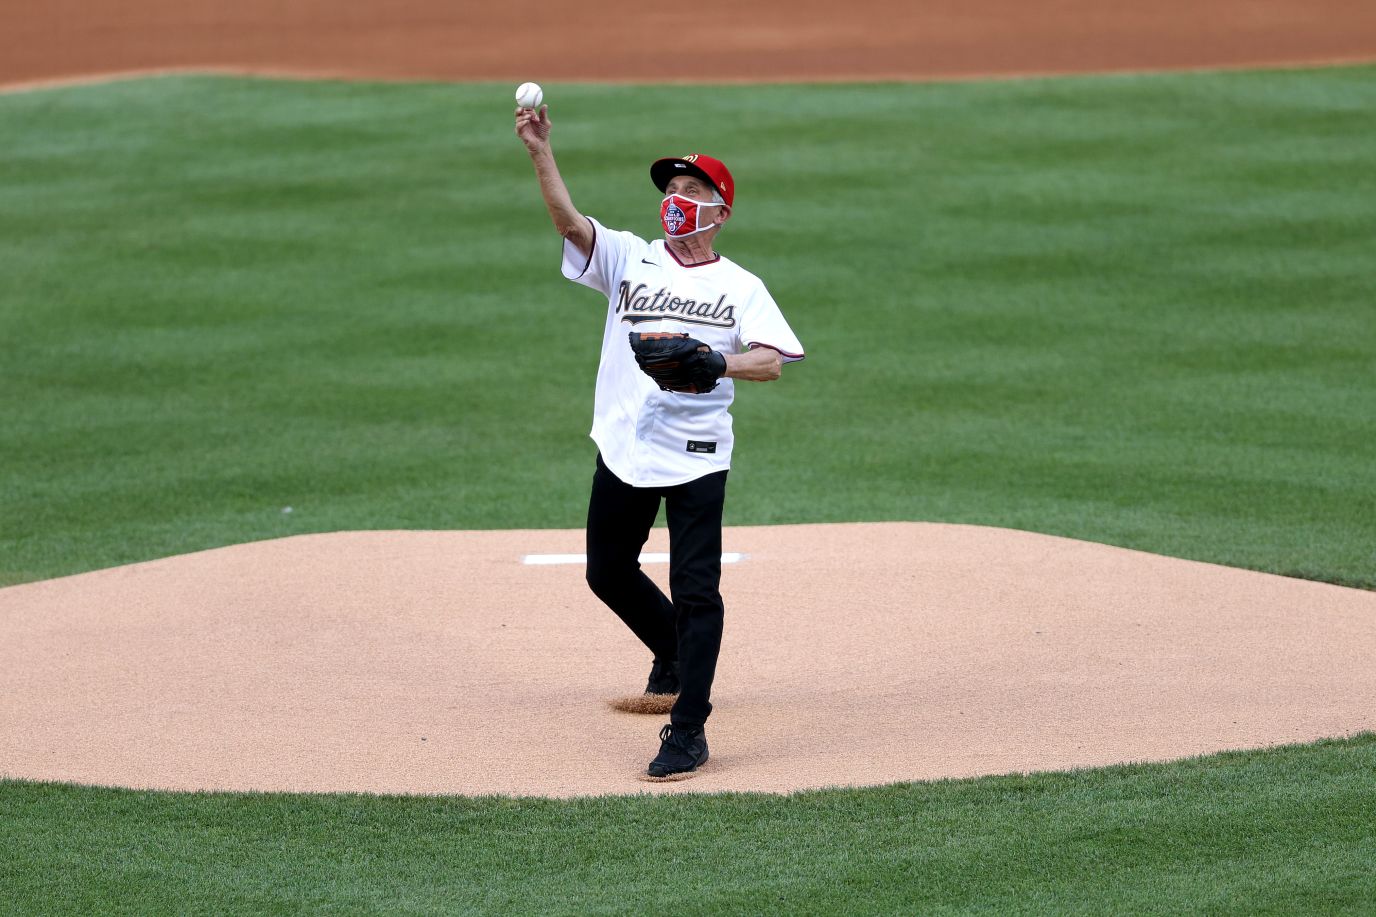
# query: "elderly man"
(658, 440)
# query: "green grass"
(1283, 831)
(1136, 310)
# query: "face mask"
(682, 216)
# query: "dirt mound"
(439, 662)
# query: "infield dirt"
(720, 40)
(437, 662)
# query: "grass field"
(1135, 310)
(1132, 310)
(1277, 832)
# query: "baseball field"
(1134, 310)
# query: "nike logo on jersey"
(647, 261)
(640, 305)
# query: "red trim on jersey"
(715, 258)
(782, 352)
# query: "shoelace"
(679, 737)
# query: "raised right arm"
(533, 129)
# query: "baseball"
(529, 95)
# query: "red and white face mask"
(683, 216)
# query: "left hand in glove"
(677, 362)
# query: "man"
(656, 443)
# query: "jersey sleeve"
(763, 325)
(604, 265)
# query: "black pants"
(688, 629)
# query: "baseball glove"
(677, 362)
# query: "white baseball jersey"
(649, 437)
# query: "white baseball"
(529, 95)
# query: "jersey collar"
(715, 258)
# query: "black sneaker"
(681, 750)
(663, 678)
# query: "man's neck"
(692, 249)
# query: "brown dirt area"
(721, 40)
(437, 662)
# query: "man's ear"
(723, 214)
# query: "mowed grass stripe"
(1135, 310)
(1286, 830)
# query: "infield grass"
(1134, 310)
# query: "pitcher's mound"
(439, 662)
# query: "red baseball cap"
(703, 166)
